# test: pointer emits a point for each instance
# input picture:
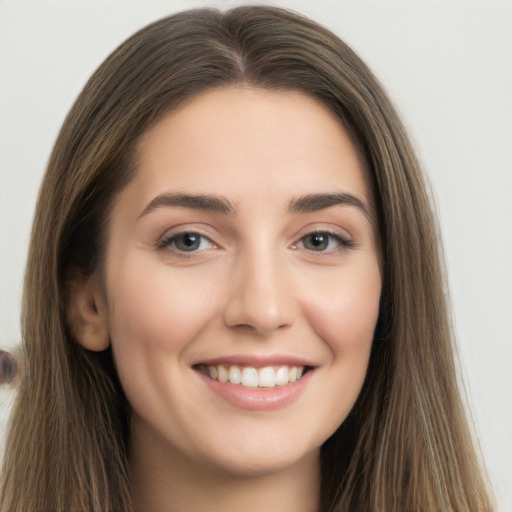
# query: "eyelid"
(325, 227)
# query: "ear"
(88, 313)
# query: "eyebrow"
(315, 202)
(219, 204)
(205, 202)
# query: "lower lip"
(258, 399)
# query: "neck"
(167, 481)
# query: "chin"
(250, 466)
(260, 455)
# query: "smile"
(251, 377)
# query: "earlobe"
(93, 337)
(88, 313)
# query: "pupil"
(318, 241)
(188, 241)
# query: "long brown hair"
(405, 446)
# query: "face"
(242, 281)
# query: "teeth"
(282, 376)
(250, 378)
(235, 376)
(222, 374)
(267, 377)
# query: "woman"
(234, 294)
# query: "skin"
(255, 285)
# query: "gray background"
(447, 65)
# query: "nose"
(261, 296)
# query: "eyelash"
(169, 242)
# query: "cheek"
(155, 314)
(345, 316)
(344, 310)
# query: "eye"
(323, 241)
(188, 241)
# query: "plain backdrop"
(446, 64)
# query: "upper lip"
(257, 360)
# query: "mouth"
(257, 382)
(254, 377)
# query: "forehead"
(240, 141)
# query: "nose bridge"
(261, 295)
